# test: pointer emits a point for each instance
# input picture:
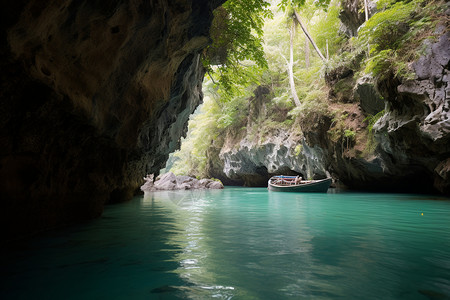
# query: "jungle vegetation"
(261, 44)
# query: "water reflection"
(254, 244)
(242, 243)
(189, 209)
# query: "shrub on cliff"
(395, 34)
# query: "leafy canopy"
(395, 33)
(224, 118)
(297, 4)
(237, 39)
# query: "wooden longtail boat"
(296, 184)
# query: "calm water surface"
(243, 243)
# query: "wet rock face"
(413, 135)
(415, 131)
(94, 95)
(255, 164)
(366, 94)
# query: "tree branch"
(297, 16)
(210, 76)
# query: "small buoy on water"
(421, 214)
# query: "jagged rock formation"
(169, 182)
(94, 95)
(280, 154)
(414, 134)
(215, 165)
(412, 138)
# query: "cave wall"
(94, 95)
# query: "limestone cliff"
(414, 133)
(260, 152)
(94, 95)
(381, 133)
(280, 154)
(407, 149)
(411, 140)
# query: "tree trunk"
(366, 12)
(291, 65)
(307, 53)
(297, 16)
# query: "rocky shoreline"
(169, 182)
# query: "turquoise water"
(243, 243)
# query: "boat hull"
(316, 186)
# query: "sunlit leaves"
(228, 107)
(205, 128)
(297, 4)
(395, 34)
(240, 42)
(245, 22)
(385, 29)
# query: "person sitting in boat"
(298, 179)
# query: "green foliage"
(372, 119)
(288, 123)
(350, 56)
(283, 101)
(191, 159)
(314, 101)
(395, 33)
(384, 29)
(338, 129)
(245, 23)
(206, 127)
(349, 137)
(287, 4)
(298, 149)
(324, 27)
(312, 94)
(349, 134)
(227, 111)
(238, 30)
(236, 64)
(233, 112)
(380, 62)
